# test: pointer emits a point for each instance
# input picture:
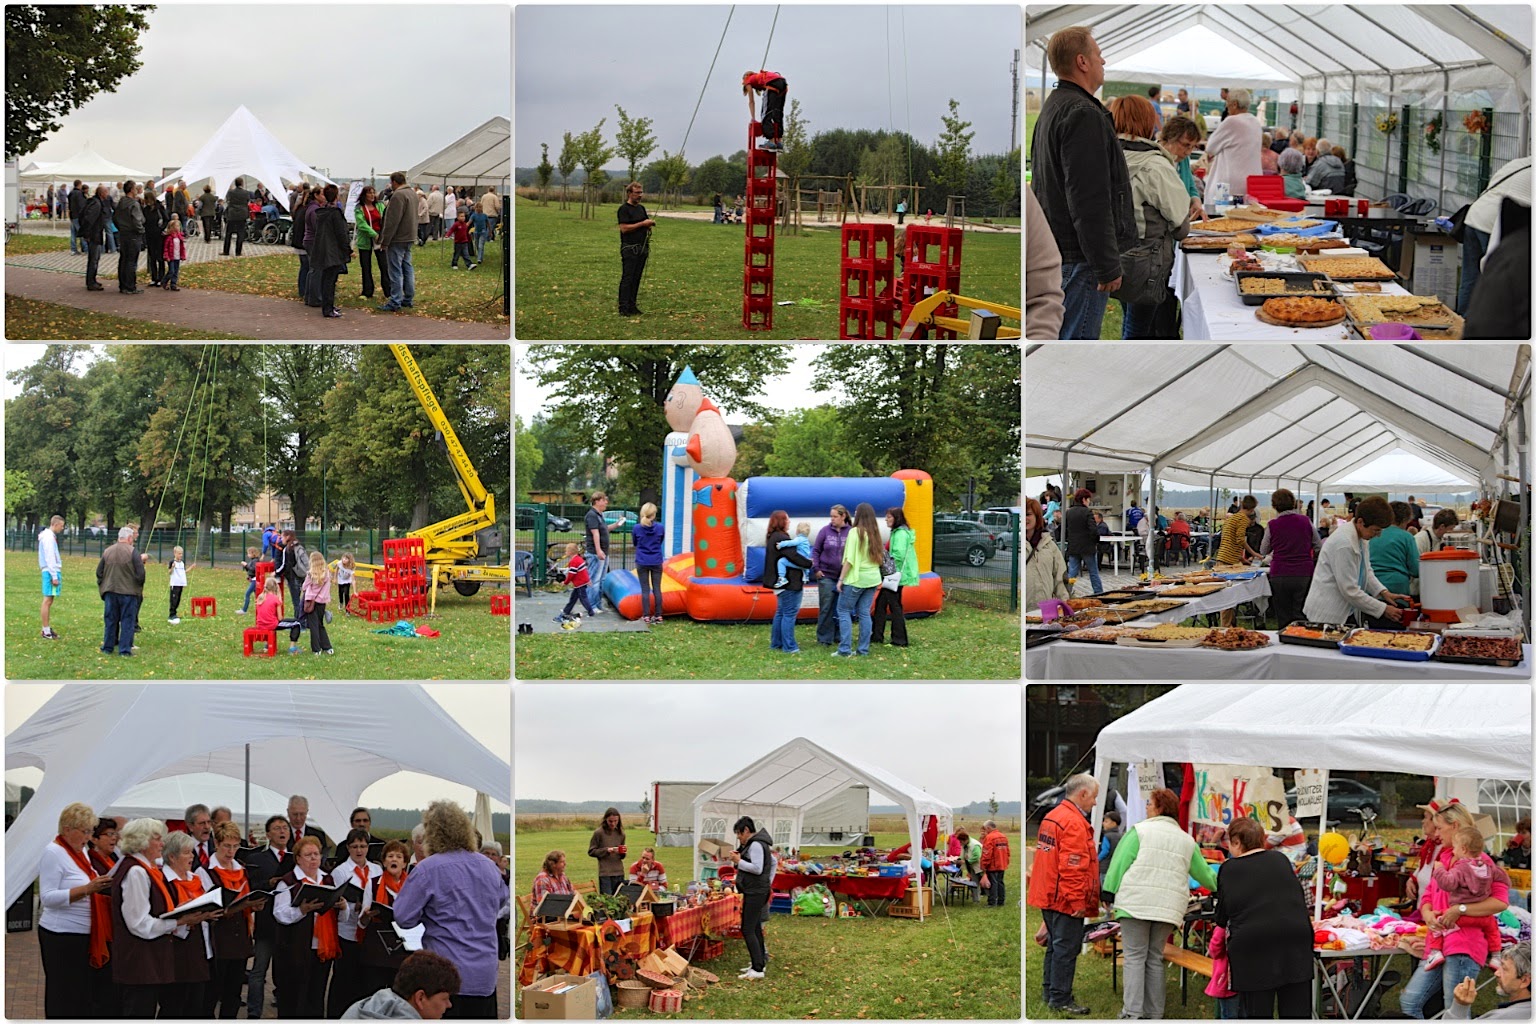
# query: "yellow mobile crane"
(451, 545)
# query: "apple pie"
(1302, 310)
(1410, 309)
(1222, 224)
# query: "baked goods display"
(1480, 648)
(1097, 634)
(1344, 268)
(1151, 606)
(1081, 618)
(1116, 616)
(1417, 310)
(1281, 286)
(1314, 631)
(1389, 640)
(1168, 631)
(1223, 225)
(1193, 589)
(1302, 312)
(1218, 243)
(1233, 639)
(1077, 604)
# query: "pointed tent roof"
(244, 146)
(482, 156)
(95, 743)
(87, 165)
(780, 786)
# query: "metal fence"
(993, 584)
(221, 549)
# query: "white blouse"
(56, 875)
(284, 909)
(136, 913)
(348, 913)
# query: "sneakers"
(472, 266)
(1074, 1009)
(173, 620)
(240, 611)
(293, 648)
(780, 583)
(751, 975)
(1433, 960)
(841, 654)
(49, 634)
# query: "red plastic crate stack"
(400, 588)
(866, 303)
(919, 274)
(762, 204)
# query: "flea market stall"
(1314, 420)
(1219, 731)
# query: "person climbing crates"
(774, 88)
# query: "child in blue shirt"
(801, 542)
(482, 225)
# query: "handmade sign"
(1225, 792)
(1149, 776)
(1311, 784)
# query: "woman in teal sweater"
(859, 580)
(1394, 552)
(903, 548)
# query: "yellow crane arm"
(924, 315)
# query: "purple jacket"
(458, 895)
(1293, 541)
(827, 550)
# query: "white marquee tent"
(482, 157)
(87, 165)
(1353, 61)
(243, 146)
(1402, 471)
(168, 799)
(776, 790)
(95, 743)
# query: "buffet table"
(1214, 311)
(1240, 592)
(565, 948)
(1064, 659)
(870, 894)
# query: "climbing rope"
(185, 418)
(906, 85)
(213, 394)
(712, 60)
(181, 514)
(764, 65)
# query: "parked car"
(1344, 795)
(1000, 522)
(955, 540)
(620, 520)
(552, 523)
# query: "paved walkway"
(251, 316)
(541, 609)
(198, 251)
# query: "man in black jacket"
(94, 215)
(128, 215)
(237, 211)
(262, 868)
(76, 207)
(1082, 182)
(1082, 539)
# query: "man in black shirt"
(634, 246)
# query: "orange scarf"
(186, 889)
(101, 909)
(235, 879)
(391, 885)
(327, 935)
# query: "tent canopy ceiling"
(1312, 413)
(170, 798)
(1222, 63)
(1359, 727)
(243, 146)
(87, 165)
(95, 743)
(1401, 471)
(483, 155)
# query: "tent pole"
(1522, 446)
(1322, 823)
(247, 790)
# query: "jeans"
(782, 636)
(650, 586)
(120, 615)
(1077, 564)
(328, 278)
(1444, 978)
(1064, 941)
(208, 227)
(826, 612)
(577, 594)
(1146, 980)
(754, 907)
(111, 240)
(303, 274)
(479, 242)
(1230, 1008)
(1084, 304)
(466, 250)
(854, 601)
(92, 263)
(173, 272)
(435, 221)
(312, 286)
(128, 262)
(1474, 244)
(1139, 322)
(234, 230)
(607, 885)
(887, 605)
(74, 233)
(997, 891)
(633, 260)
(597, 568)
(402, 276)
(249, 590)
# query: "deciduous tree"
(633, 140)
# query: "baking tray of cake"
(1295, 283)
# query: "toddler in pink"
(1468, 879)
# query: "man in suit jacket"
(298, 821)
(361, 818)
(200, 825)
(263, 868)
(237, 211)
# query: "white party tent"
(327, 742)
(776, 790)
(482, 157)
(87, 165)
(1353, 62)
(243, 146)
(1401, 471)
(168, 799)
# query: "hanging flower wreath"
(1386, 123)
(1432, 130)
(1476, 123)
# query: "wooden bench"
(1188, 961)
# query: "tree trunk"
(421, 512)
(204, 535)
(301, 510)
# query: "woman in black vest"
(192, 954)
(382, 950)
(106, 999)
(754, 880)
(302, 968)
(143, 961)
(232, 933)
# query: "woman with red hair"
(789, 596)
(1147, 883)
(1161, 206)
(1045, 570)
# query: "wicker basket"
(666, 1000)
(632, 995)
(1520, 878)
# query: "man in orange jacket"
(1064, 884)
(994, 862)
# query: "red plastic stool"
(203, 607)
(268, 636)
(501, 604)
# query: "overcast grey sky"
(394, 93)
(958, 741)
(574, 63)
(484, 710)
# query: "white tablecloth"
(1066, 660)
(1241, 592)
(1214, 311)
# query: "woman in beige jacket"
(1043, 298)
(1045, 570)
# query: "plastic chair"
(522, 570)
(1269, 189)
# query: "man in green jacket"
(120, 581)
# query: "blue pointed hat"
(687, 376)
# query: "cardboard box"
(714, 847)
(1434, 267)
(578, 1003)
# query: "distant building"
(1061, 724)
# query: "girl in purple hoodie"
(827, 564)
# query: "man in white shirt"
(1343, 581)
(52, 569)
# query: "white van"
(999, 520)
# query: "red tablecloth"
(858, 887)
(715, 918)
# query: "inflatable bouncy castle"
(716, 529)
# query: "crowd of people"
(109, 950)
(1114, 191)
(1262, 933)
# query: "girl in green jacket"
(903, 548)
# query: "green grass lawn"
(49, 321)
(567, 272)
(961, 962)
(473, 644)
(441, 293)
(959, 643)
(19, 244)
